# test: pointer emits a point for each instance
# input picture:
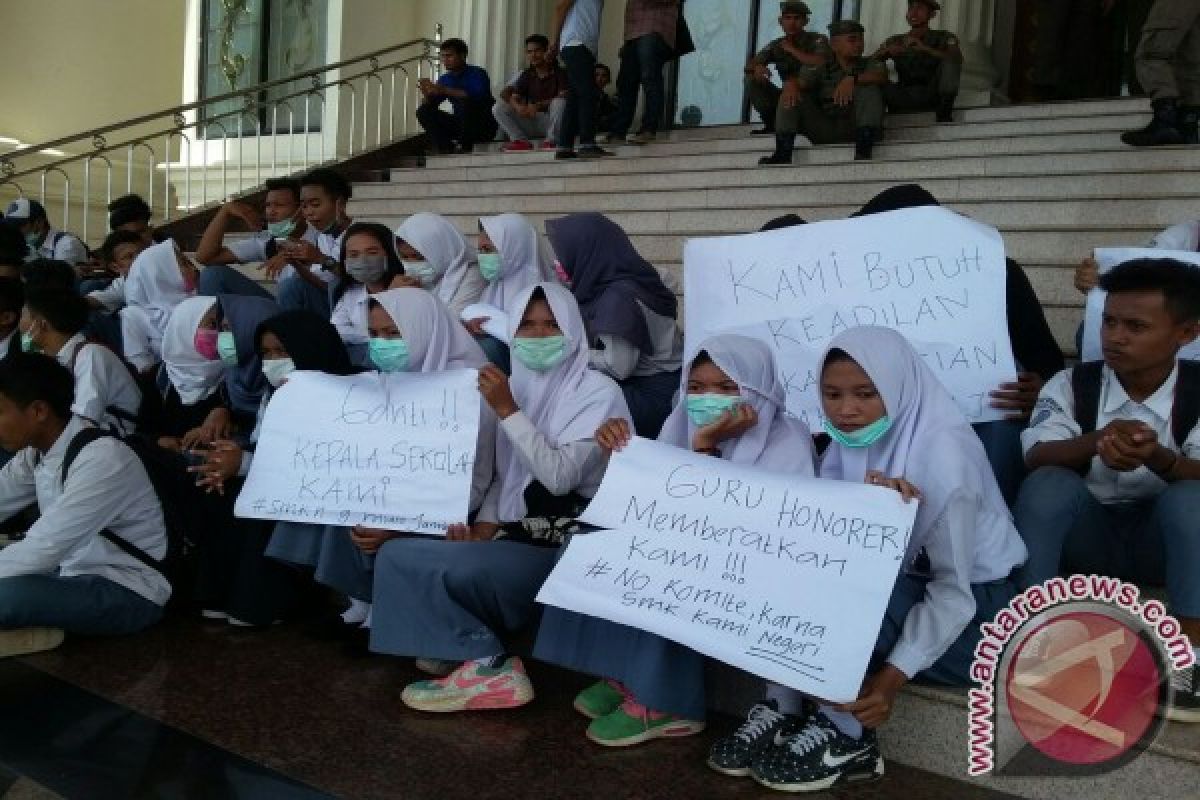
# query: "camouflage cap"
(933, 4)
(844, 26)
(795, 7)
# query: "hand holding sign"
(750, 567)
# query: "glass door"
(708, 89)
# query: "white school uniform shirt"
(101, 382)
(330, 247)
(7, 341)
(106, 487)
(582, 25)
(1054, 421)
(1184, 236)
(111, 297)
(62, 246)
(350, 315)
(253, 249)
(620, 359)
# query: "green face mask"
(390, 355)
(863, 437)
(541, 354)
(34, 240)
(705, 409)
(489, 266)
(421, 270)
(283, 228)
(226, 349)
(27, 344)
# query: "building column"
(972, 20)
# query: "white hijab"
(566, 404)
(443, 247)
(192, 375)
(930, 443)
(436, 341)
(778, 442)
(524, 258)
(155, 285)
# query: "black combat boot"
(864, 143)
(784, 144)
(1163, 128)
(1188, 118)
(945, 108)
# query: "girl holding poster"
(893, 425)
(455, 599)
(732, 406)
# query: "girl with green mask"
(483, 584)
(896, 427)
(369, 264)
(731, 405)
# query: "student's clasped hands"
(1125, 445)
(222, 462)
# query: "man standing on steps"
(839, 101)
(790, 54)
(1168, 67)
(928, 64)
(576, 37)
(650, 28)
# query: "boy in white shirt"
(1114, 453)
(44, 241)
(85, 566)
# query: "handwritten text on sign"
(934, 276)
(1106, 259)
(784, 577)
(393, 451)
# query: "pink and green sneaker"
(600, 699)
(472, 687)
(632, 723)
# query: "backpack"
(168, 567)
(1086, 380)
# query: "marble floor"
(194, 710)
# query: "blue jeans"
(224, 279)
(293, 293)
(1067, 530)
(579, 118)
(642, 61)
(1002, 442)
(85, 604)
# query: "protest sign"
(385, 450)
(933, 275)
(781, 576)
(1106, 259)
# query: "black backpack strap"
(1185, 412)
(82, 440)
(1086, 380)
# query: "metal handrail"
(261, 87)
(344, 105)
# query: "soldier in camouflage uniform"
(839, 101)
(1168, 67)
(790, 53)
(928, 63)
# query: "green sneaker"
(633, 723)
(600, 699)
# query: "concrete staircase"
(1054, 179)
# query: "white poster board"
(933, 275)
(385, 450)
(1106, 259)
(784, 577)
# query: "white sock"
(492, 662)
(356, 613)
(366, 623)
(844, 720)
(789, 701)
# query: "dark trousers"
(475, 124)
(579, 120)
(642, 61)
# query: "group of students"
(585, 352)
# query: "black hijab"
(310, 340)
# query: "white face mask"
(277, 370)
(421, 270)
